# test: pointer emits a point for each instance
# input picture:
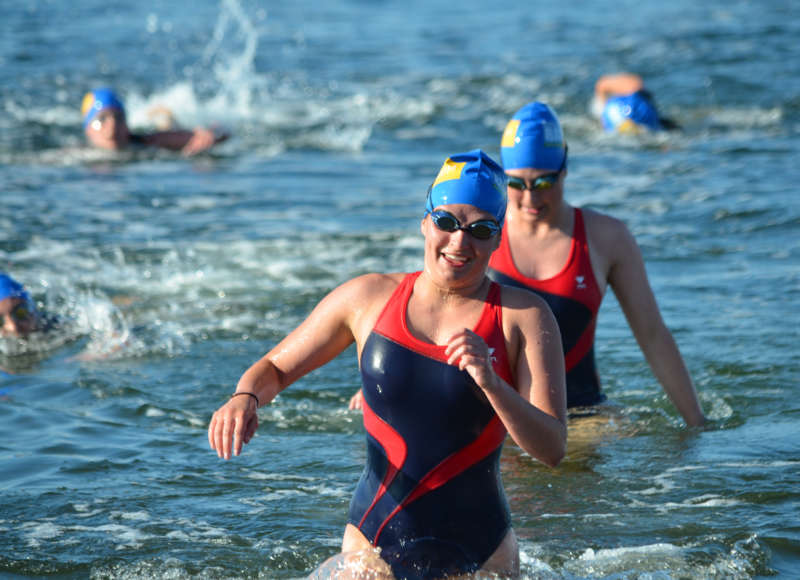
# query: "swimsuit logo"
(492, 358)
(581, 285)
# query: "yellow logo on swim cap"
(88, 101)
(629, 127)
(450, 170)
(510, 134)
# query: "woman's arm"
(327, 331)
(608, 86)
(188, 142)
(628, 278)
(534, 409)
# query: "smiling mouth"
(455, 259)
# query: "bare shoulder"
(606, 233)
(601, 223)
(363, 299)
(524, 306)
(528, 320)
(359, 294)
(614, 249)
(369, 287)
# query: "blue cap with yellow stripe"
(533, 139)
(471, 178)
(97, 100)
(630, 113)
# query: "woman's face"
(457, 258)
(108, 130)
(533, 200)
(17, 319)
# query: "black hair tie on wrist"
(245, 393)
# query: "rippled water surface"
(171, 275)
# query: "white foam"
(277, 495)
(140, 515)
(124, 536)
(261, 476)
(705, 501)
(37, 532)
(326, 491)
(646, 560)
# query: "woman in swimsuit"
(105, 126)
(450, 363)
(570, 255)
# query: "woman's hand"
(470, 353)
(356, 401)
(201, 140)
(233, 425)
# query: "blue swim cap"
(472, 178)
(10, 288)
(97, 100)
(533, 139)
(629, 113)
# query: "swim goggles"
(481, 229)
(105, 116)
(542, 182)
(21, 313)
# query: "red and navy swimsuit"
(430, 495)
(574, 297)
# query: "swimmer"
(570, 256)
(450, 363)
(623, 104)
(106, 127)
(17, 309)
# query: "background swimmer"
(106, 127)
(623, 104)
(571, 255)
(17, 309)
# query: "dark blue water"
(172, 275)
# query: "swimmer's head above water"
(104, 122)
(631, 114)
(106, 127)
(533, 139)
(471, 178)
(623, 104)
(17, 310)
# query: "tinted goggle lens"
(21, 313)
(104, 117)
(541, 182)
(481, 229)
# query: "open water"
(172, 275)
